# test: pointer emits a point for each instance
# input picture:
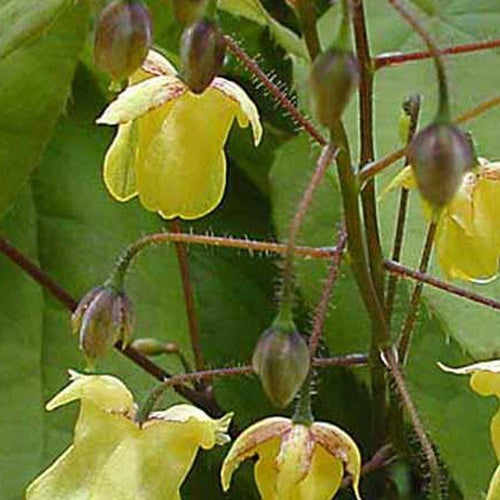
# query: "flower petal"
(106, 392)
(211, 431)
(142, 97)
(248, 111)
(119, 163)
(184, 171)
(265, 470)
(294, 460)
(250, 442)
(404, 178)
(153, 462)
(156, 64)
(340, 445)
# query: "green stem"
(306, 13)
(303, 412)
(411, 316)
(361, 270)
(443, 113)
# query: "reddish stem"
(393, 59)
(280, 97)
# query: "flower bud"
(153, 347)
(202, 54)
(122, 37)
(281, 360)
(103, 317)
(440, 155)
(334, 76)
(188, 11)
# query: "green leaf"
(21, 22)
(36, 79)
(255, 11)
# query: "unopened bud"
(202, 54)
(154, 347)
(122, 37)
(440, 155)
(334, 76)
(188, 11)
(281, 360)
(103, 317)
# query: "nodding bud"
(188, 11)
(153, 347)
(440, 155)
(281, 360)
(202, 54)
(123, 37)
(103, 317)
(334, 76)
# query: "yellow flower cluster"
(114, 458)
(468, 233)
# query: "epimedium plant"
(169, 150)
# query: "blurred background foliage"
(55, 208)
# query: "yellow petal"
(156, 64)
(184, 170)
(100, 427)
(463, 252)
(142, 97)
(153, 462)
(248, 112)
(250, 442)
(265, 469)
(494, 490)
(106, 392)
(119, 163)
(404, 178)
(294, 460)
(340, 445)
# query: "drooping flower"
(485, 380)
(169, 148)
(468, 233)
(112, 457)
(295, 461)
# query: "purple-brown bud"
(281, 360)
(123, 37)
(202, 54)
(188, 11)
(334, 76)
(440, 155)
(103, 317)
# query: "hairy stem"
(427, 448)
(324, 162)
(326, 292)
(187, 288)
(411, 315)
(411, 107)
(406, 272)
(384, 60)
(279, 96)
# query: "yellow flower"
(169, 148)
(485, 380)
(112, 457)
(468, 233)
(295, 461)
